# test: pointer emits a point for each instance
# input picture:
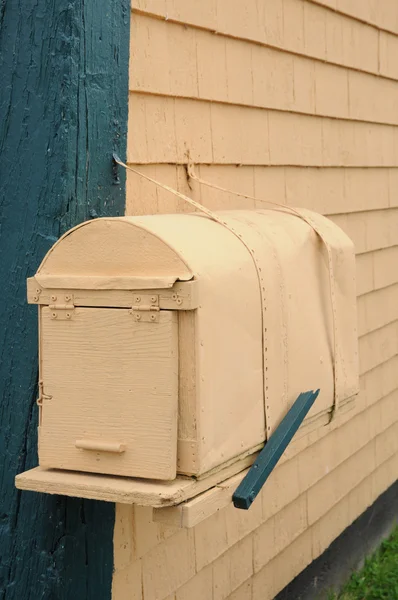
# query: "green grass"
(378, 580)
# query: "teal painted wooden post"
(63, 111)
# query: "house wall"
(296, 102)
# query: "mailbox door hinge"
(145, 308)
(63, 307)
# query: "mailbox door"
(109, 392)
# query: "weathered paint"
(63, 103)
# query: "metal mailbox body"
(161, 351)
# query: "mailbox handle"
(266, 461)
(95, 446)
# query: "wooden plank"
(109, 379)
(123, 489)
(357, 199)
(105, 282)
(385, 17)
(201, 507)
(181, 296)
(187, 453)
(378, 347)
(231, 134)
(377, 309)
(224, 63)
(283, 25)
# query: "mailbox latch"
(145, 308)
(62, 307)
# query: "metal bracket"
(62, 311)
(42, 395)
(146, 308)
(266, 461)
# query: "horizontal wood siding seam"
(377, 309)
(273, 533)
(208, 67)
(365, 194)
(380, 68)
(268, 107)
(378, 346)
(226, 134)
(372, 392)
(217, 539)
(304, 550)
(333, 5)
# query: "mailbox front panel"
(109, 392)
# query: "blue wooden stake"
(266, 461)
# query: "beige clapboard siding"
(169, 130)
(214, 537)
(319, 132)
(388, 52)
(377, 270)
(215, 544)
(370, 230)
(333, 192)
(377, 309)
(295, 26)
(309, 545)
(378, 346)
(382, 15)
(193, 63)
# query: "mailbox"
(175, 344)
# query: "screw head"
(153, 298)
(53, 298)
(179, 301)
(67, 298)
(68, 315)
(35, 298)
(138, 298)
(138, 317)
(54, 315)
(153, 317)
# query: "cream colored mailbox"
(175, 344)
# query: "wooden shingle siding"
(293, 101)
(297, 26)
(228, 70)
(231, 134)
